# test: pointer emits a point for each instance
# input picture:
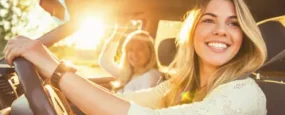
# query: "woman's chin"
(217, 62)
(137, 65)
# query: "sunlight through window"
(90, 32)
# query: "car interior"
(22, 91)
(271, 75)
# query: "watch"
(61, 69)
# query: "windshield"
(81, 48)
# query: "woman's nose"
(132, 54)
(221, 30)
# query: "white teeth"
(217, 45)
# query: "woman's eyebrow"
(210, 14)
(233, 17)
(214, 15)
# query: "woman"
(137, 68)
(218, 46)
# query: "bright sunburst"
(89, 34)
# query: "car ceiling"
(175, 9)
(264, 9)
(155, 10)
(167, 9)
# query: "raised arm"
(106, 58)
(58, 33)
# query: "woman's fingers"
(8, 50)
(12, 55)
(33, 51)
(14, 49)
(12, 41)
(7, 45)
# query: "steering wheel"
(43, 100)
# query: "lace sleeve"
(242, 97)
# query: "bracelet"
(61, 69)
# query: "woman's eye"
(234, 24)
(208, 21)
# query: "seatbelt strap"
(275, 58)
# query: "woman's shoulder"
(153, 72)
(242, 85)
(244, 90)
(244, 94)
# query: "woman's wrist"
(53, 67)
(47, 67)
(48, 63)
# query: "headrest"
(166, 51)
(273, 33)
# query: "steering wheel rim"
(39, 101)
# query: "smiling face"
(138, 53)
(217, 37)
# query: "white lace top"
(240, 97)
(144, 81)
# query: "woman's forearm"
(92, 98)
(106, 59)
(59, 33)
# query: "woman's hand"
(32, 50)
(119, 31)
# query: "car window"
(84, 46)
(81, 48)
(23, 18)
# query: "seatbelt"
(275, 58)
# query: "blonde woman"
(137, 68)
(218, 46)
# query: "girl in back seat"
(137, 68)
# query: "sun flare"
(90, 33)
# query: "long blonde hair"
(249, 58)
(127, 70)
